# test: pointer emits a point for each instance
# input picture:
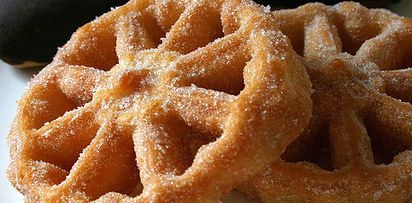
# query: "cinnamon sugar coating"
(357, 147)
(160, 101)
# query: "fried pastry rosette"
(160, 101)
(357, 147)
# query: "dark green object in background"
(31, 30)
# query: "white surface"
(12, 83)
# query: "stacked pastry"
(184, 101)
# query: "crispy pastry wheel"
(357, 147)
(196, 96)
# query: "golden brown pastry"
(160, 101)
(357, 147)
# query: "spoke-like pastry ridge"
(350, 140)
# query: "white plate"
(12, 83)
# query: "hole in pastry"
(137, 31)
(45, 103)
(94, 46)
(403, 94)
(390, 51)
(400, 52)
(137, 190)
(228, 80)
(220, 71)
(202, 28)
(296, 35)
(118, 176)
(395, 54)
(208, 31)
(176, 143)
(384, 141)
(311, 146)
(406, 59)
(353, 35)
(154, 32)
(401, 57)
